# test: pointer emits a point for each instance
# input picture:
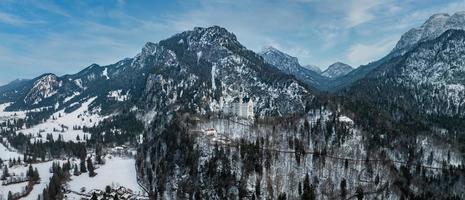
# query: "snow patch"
(213, 76)
(105, 73)
(118, 95)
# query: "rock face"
(204, 69)
(431, 29)
(45, 87)
(337, 69)
(198, 71)
(290, 65)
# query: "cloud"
(48, 7)
(362, 53)
(14, 20)
(361, 11)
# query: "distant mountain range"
(418, 86)
(210, 50)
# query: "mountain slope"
(203, 70)
(313, 68)
(336, 70)
(426, 81)
(431, 29)
(198, 71)
(290, 65)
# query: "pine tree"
(30, 172)
(343, 188)
(83, 166)
(76, 170)
(10, 195)
(5, 173)
(36, 176)
(309, 190)
(282, 196)
(359, 193)
(257, 188)
(94, 196)
(90, 167)
(98, 152)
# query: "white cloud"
(361, 11)
(7, 18)
(48, 7)
(362, 53)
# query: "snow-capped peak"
(431, 29)
(337, 69)
(44, 87)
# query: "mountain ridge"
(337, 70)
(290, 65)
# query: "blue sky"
(65, 36)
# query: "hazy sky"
(66, 36)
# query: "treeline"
(116, 130)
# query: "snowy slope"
(62, 123)
(7, 153)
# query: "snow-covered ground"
(6, 154)
(62, 123)
(44, 173)
(14, 188)
(117, 171)
(5, 115)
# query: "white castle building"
(241, 107)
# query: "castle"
(241, 107)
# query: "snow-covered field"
(62, 123)
(44, 173)
(14, 188)
(5, 115)
(117, 171)
(6, 154)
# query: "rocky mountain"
(427, 80)
(173, 100)
(198, 71)
(431, 29)
(336, 70)
(424, 73)
(290, 65)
